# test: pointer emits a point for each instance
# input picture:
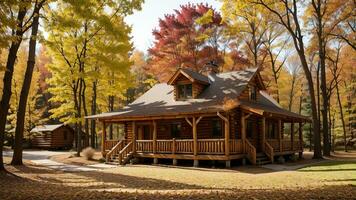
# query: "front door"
(144, 132)
(253, 133)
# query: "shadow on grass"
(332, 166)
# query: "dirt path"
(42, 158)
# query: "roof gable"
(189, 74)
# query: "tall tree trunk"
(93, 112)
(341, 113)
(86, 121)
(7, 80)
(319, 9)
(21, 112)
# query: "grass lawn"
(327, 180)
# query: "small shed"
(52, 136)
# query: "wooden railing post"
(133, 136)
(263, 133)
(154, 135)
(292, 136)
(279, 127)
(103, 139)
(173, 146)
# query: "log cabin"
(211, 116)
(58, 136)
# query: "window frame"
(182, 91)
(252, 93)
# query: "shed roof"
(43, 128)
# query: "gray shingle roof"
(196, 76)
(159, 100)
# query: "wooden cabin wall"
(58, 139)
(204, 129)
(41, 140)
(197, 89)
(54, 139)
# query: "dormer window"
(185, 91)
(253, 93)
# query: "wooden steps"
(262, 159)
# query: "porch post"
(263, 133)
(154, 136)
(195, 142)
(243, 131)
(292, 135)
(103, 139)
(280, 134)
(134, 136)
(300, 140)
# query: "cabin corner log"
(279, 127)
(133, 136)
(103, 139)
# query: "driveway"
(41, 157)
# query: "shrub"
(88, 153)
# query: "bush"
(88, 153)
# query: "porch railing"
(251, 152)
(268, 150)
(144, 145)
(211, 146)
(236, 147)
(109, 144)
(186, 146)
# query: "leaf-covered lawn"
(155, 182)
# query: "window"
(253, 93)
(176, 130)
(217, 128)
(65, 134)
(185, 91)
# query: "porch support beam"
(103, 139)
(279, 127)
(300, 140)
(134, 136)
(292, 135)
(263, 132)
(227, 133)
(243, 131)
(154, 136)
(195, 142)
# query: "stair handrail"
(269, 151)
(123, 150)
(251, 152)
(113, 150)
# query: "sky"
(145, 20)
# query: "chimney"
(210, 68)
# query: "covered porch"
(244, 134)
